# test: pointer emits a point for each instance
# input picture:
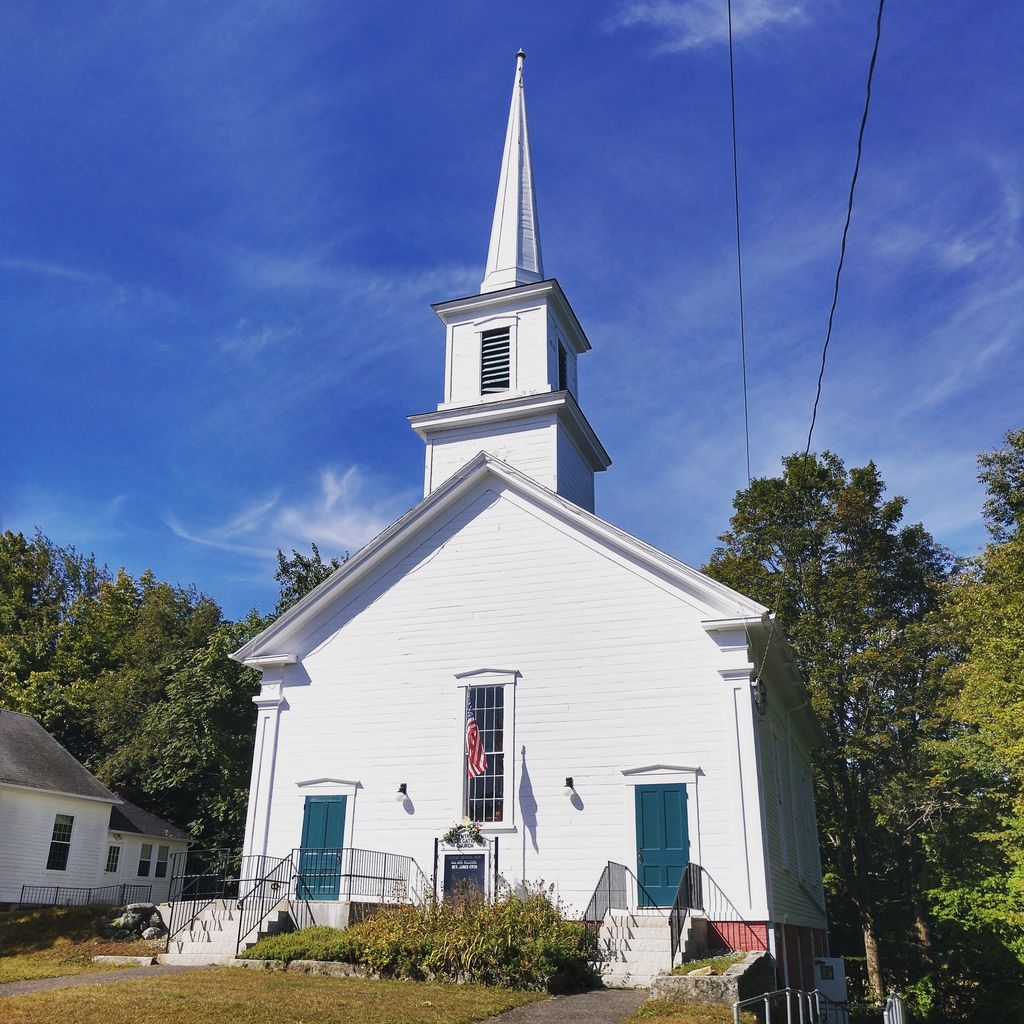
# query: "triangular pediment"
(709, 599)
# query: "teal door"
(662, 842)
(323, 829)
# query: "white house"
(636, 715)
(64, 837)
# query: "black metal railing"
(618, 888)
(350, 874)
(73, 896)
(610, 893)
(273, 886)
(720, 910)
(689, 896)
(198, 878)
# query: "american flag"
(476, 759)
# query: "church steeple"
(513, 256)
(511, 386)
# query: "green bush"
(515, 942)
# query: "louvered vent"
(563, 368)
(494, 361)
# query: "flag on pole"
(476, 759)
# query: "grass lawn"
(50, 942)
(231, 995)
(667, 1011)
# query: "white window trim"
(493, 323)
(489, 677)
(120, 858)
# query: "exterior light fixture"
(570, 789)
(403, 793)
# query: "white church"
(645, 733)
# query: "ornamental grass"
(522, 942)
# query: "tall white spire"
(513, 257)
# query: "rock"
(122, 933)
(140, 908)
(155, 920)
(152, 933)
(700, 972)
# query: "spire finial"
(513, 256)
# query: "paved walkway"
(21, 988)
(605, 1006)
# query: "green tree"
(853, 590)
(298, 575)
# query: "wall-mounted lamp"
(570, 789)
(403, 793)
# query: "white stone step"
(195, 959)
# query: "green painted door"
(662, 842)
(323, 830)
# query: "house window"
(485, 793)
(145, 859)
(60, 843)
(563, 368)
(113, 858)
(161, 861)
(495, 361)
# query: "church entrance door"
(662, 842)
(323, 828)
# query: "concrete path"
(21, 988)
(605, 1006)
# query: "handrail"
(182, 914)
(689, 896)
(808, 1004)
(254, 906)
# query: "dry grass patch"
(229, 995)
(52, 942)
(718, 964)
(668, 1011)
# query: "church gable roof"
(712, 600)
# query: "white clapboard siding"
(26, 827)
(615, 672)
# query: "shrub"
(515, 942)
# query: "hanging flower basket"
(467, 833)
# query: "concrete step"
(195, 959)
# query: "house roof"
(129, 817)
(30, 756)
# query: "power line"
(739, 249)
(846, 226)
(835, 294)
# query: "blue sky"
(221, 226)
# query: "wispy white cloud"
(689, 24)
(57, 270)
(344, 511)
(249, 338)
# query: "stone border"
(752, 976)
(334, 968)
(133, 961)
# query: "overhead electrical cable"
(846, 226)
(739, 249)
(835, 293)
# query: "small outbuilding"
(67, 839)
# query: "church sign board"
(465, 871)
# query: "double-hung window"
(113, 859)
(60, 843)
(145, 860)
(161, 861)
(485, 792)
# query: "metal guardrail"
(75, 896)
(617, 888)
(795, 1006)
(894, 1011)
(689, 896)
